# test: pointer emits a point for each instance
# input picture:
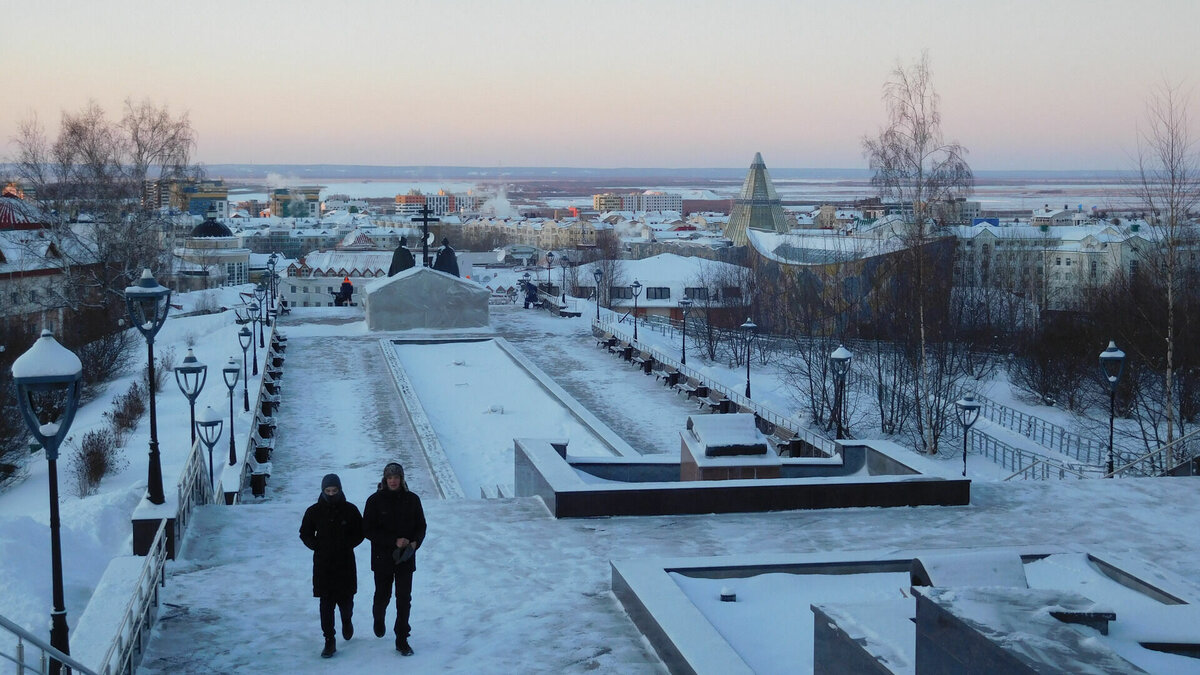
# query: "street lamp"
(637, 290)
(191, 376)
(1112, 365)
(48, 378)
(257, 309)
(254, 324)
(839, 362)
(210, 424)
(563, 267)
(272, 262)
(968, 413)
(245, 337)
(597, 274)
(148, 304)
(549, 262)
(749, 328)
(685, 306)
(230, 373)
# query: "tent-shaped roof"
(424, 298)
(757, 207)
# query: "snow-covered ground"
(501, 586)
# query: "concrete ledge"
(539, 470)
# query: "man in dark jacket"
(402, 258)
(395, 523)
(446, 261)
(332, 528)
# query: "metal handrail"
(1166, 451)
(1046, 465)
(46, 653)
(193, 487)
(134, 627)
(765, 412)
(1045, 433)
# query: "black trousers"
(346, 605)
(402, 579)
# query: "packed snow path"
(501, 587)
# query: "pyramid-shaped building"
(757, 207)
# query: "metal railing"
(193, 487)
(1163, 459)
(1044, 433)
(43, 652)
(1022, 462)
(133, 630)
(763, 411)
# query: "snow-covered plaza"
(502, 586)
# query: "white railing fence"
(133, 630)
(30, 654)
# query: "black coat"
(446, 261)
(332, 530)
(402, 259)
(388, 516)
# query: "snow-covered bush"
(97, 456)
(165, 364)
(128, 408)
(104, 358)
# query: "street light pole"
(48, 378)
(210, 424)
(637, 290)
(840, 363)
(254, 324)
(148, 304)
(685, 306)
(230, 373)
(549, 263)
(245, 337)
(598, 275)
(968, 413)
(1112, 365)
(749, 327)
(191, 376)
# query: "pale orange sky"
(1024, 85)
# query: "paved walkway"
(503, 588)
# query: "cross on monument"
(425, 220)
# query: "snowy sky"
(658, 83)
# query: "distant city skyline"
(657, 83)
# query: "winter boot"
(330, 648)
(347, 628)
(403, 647)
(380, 629)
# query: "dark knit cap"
(331, 479)
(393, 469)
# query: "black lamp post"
(210, 424)
(598, 275)
(230, 373)
(245, 337)
(272, 262)
(839, 363)
(48, 378)
(637, 290)
(1112, 366)
(191, 376)
(260, 294)
(749, 329)
(968, 413)
(148, 304)
(563, 267)
(254, 324)
(549, 263)
(685, 306)
(526, 288)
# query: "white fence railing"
(133, 629)
(30, 654)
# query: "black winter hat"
(393, 469)
(331, 479)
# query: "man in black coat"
(395, 523)
(402, 259)
(445, 260)
(332, 528)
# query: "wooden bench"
(266, 425)
(691, 388)
(607, 341)
(627, 351)
(715, 401)
(670, 377)
(642, 360)
(261, 447)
